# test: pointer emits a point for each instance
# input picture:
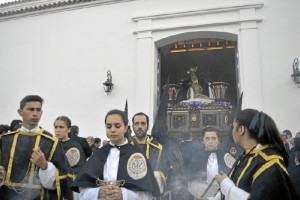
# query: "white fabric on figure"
(47, 176)
(159, 180)
(197, 187)
(212, 167)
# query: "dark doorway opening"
(215, 59)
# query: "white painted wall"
(64, 57)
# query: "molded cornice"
(218, 9)
(203, 11)
(25, 8)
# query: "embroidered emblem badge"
(137, 166)
(229, 160)
(73, 156)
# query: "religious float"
(187, 118)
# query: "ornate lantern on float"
(218, 90)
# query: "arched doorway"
(215, 56)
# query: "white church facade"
(62, 50)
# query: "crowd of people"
(259, 163)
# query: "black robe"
(197, 165)
(16, 149)
(89, 173)
(262, 173)
(153, 151)
(84, 144)
(74, 154)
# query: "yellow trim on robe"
(58, 189)
(42, 194)
(163, 176)
(168, 194)
(32, 168)
(158, 146)
(270, 160)
(148, 142)
(266, 166)
(244, 170)
(11, 158)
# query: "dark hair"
(262, 128)
(211, 129)
(287, 132)
(97, 140)
(65, 119)
(30, 98)
(123, 116)
(117, 112)
(4, 128)
(15, 124)
(74, 131)
(141, 113)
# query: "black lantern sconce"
(296, 73)
(108, 85)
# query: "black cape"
(262, 173)
(74, 154)
(198, 163)
(16, 149)
(89, 173)
(84, 144)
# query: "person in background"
(261, 172)
(208, 162)
(15, 124)
(4, 128)
(295, 171)
(72, 149)
(122, 171)
(91, 141)
(294, 167)
(82, 141)
(105, 142)
(289, 140)
(151, 148)
(97, 144)
(284, 138)
(32, 159)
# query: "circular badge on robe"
(137, 166)
(229, 160)
(73, 156)
(233, 151)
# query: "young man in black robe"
(208, 161)
(33, 161)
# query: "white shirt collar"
(36, 129)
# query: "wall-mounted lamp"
(296, 73)
(108, 85)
